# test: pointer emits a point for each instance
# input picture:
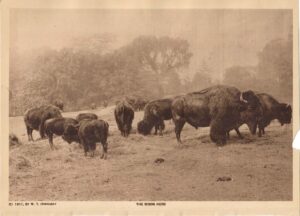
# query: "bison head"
(250, 98)
(285, 113)
(71, 133)
(144, 127)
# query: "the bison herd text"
(222, 108)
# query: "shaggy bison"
(250, 117)
(35, 118)
(272, 109)
(155, 113)
(124, 115)
(218, 107)
(90, 116)
(57, 126)
(87, 133)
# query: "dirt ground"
(249, 169)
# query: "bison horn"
(242, 99)
(287, 106)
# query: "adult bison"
(272, 109)
(218, 107)
(154, 115)
(57, 126)
(124, 115)
(90, 116)
(88, 133)
(250, 117)
(35, 118)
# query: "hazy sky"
(222, 38)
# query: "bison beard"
(155, 113)
(124, 115)
(88, 133)
(218, 107)
(35, 118)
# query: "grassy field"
(249, 169)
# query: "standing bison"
(218, 107)
(250, 117)
(82, 116)
(124, 115)
(88, 133)
(35, 118)
(155, 113)
(272, 109)
(57, 126)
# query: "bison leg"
(238, 133)
(50, 138)
(161, 127)
(104, 150)
(228, 135)
(263, 130)
(29, 133)
(42, 130)
(217, 133)
(178, 127)
(156, 127)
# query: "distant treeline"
(89, 72)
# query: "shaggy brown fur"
(155, 113)
(218, 107)
(35, 118)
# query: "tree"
(240, 77)
(161, 55)
(275, 66)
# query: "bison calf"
(88, 133)
(57, 126)
(155, 113)
(35, 118)
(124, 115)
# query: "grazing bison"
(87, 133)
(35, 118)
(89, 116)
(272, 109)
(57, 126)
(124, 115)
(218, 107)
(155, 113)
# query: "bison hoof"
(103, 156)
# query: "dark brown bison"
(272, 109)
(250, 117)
(218, 107)
(89, 116)
(124, 115)
(57, 126)
(88, 133)
(154, 115)
(35, 118)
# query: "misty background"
(99, 56)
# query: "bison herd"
(222, 108)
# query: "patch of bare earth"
(154, 167)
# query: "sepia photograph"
(150, 104)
